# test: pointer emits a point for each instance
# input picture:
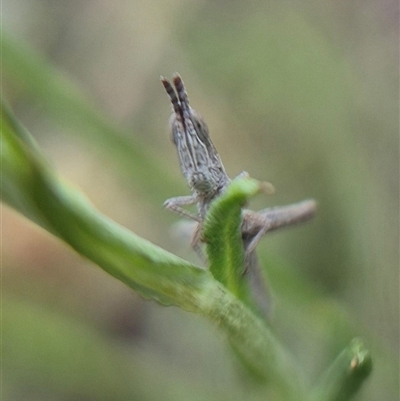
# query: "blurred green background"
(302, 94)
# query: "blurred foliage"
(304, 95)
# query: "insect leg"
(174, 205)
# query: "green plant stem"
(30, 186)
(345, 376)
(222, 233)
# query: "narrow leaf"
(346, 375)
(30, 186)
(222, 232)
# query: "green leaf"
(222, 232)
(30, 186)
(346, 375)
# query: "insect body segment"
(206, 176)
(200, 163)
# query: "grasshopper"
(203, 169)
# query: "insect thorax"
(200, 163)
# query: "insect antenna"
(181, 91)
(172, 95)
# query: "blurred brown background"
(302, 94)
